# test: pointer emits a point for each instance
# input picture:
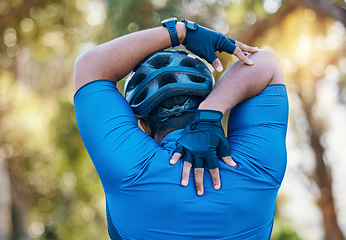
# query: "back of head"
(165, 86)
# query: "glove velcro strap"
(191, 28)
(210, 116)
(190, 25)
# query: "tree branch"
(325, 8)
(322, 173)
(255, 31)
(322, 8)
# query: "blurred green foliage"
(56, 192)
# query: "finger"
(186, 173)
(188, 160)
(188, 157)
(211, 160)
(228, 46)
(180, 149)
(198, 162)
(178, 152)
(174, 159)
(210, 57)
(225, 152)
(239, 54)
(215, 175)
(229, 161)
(246, 48)
(223, 148)
(232, 40)
(217, 65)
(199, 172)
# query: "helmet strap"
(165, 113)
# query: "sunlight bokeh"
(50, 189)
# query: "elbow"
(82, 62)
(83, 69)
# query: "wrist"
(205, 105)
(181, 29)
(208, 115)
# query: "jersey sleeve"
(119, 149)
(257, 132)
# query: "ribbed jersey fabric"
(144, 197)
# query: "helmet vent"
(164, 75)
(160, 61)
(137, 79)
(197, 79)
(189, 62)
(166, 79)
(141, 96)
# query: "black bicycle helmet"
(167, 74)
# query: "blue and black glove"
(204, 139)
(205, 42)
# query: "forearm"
(115, 59)
(241, 82)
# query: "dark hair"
(173, 122)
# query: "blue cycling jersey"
(144, 197)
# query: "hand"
(205, 42)
(200, 142)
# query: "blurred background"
(49, 188)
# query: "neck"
(159, 136)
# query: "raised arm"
(238, 83)
(241, 82)
(115, 59)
